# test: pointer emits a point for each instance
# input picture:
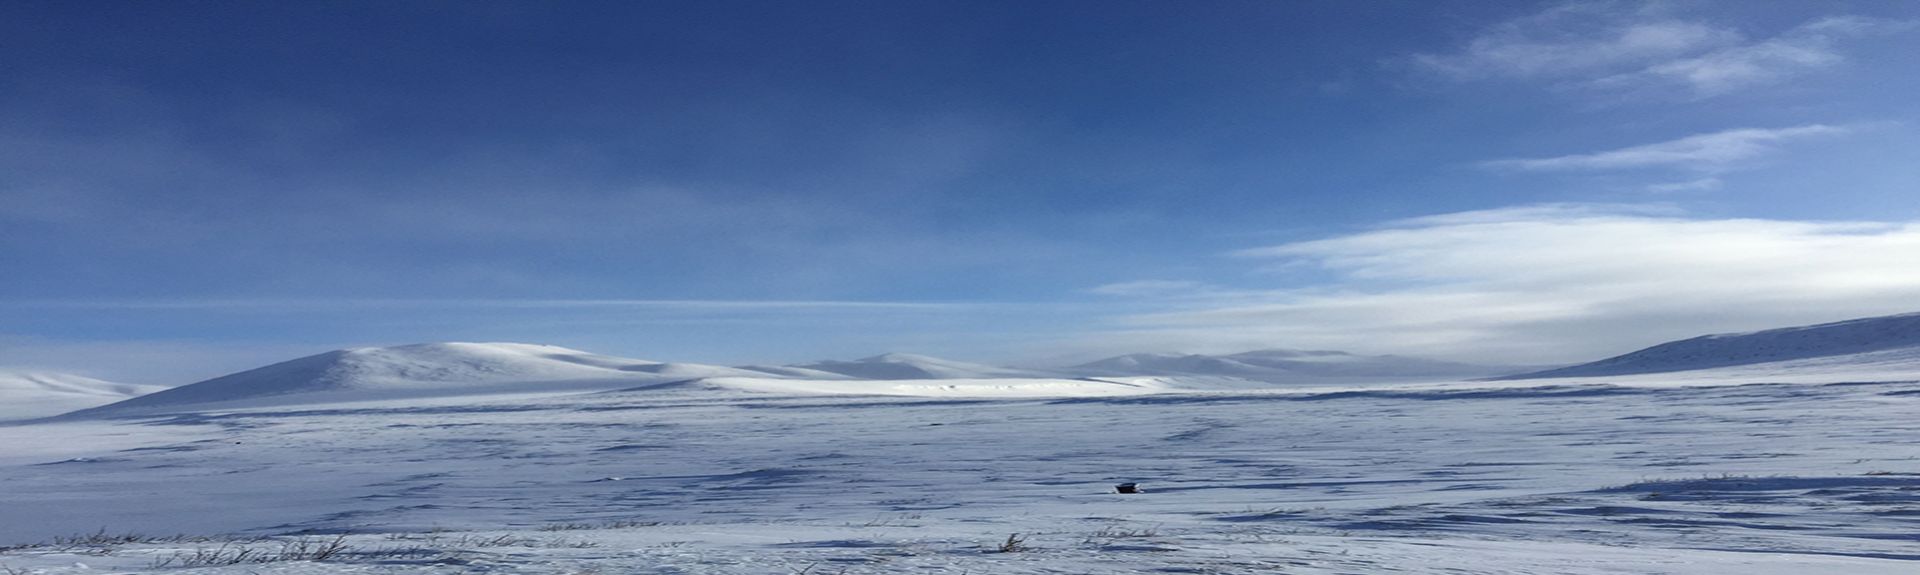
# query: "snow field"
(1747, 479)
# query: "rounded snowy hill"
(34, 394)
(413, 371)
(1876, 340)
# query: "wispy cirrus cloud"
(1621, 48)
(1810, 47)
(1138, 288)
(1709, 152)
(1551, 283)
(1574, 39)
(1694, 185)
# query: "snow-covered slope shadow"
(1873, 340)
(408, 371)
(32, 394)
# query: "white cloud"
(1810, 47)
(1574, 39)
(1705, 152)
(1694, 185)
(1556, 283)
(1626, 48)
(1141, 288)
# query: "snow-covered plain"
(1699, 474)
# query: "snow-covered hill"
(1869, 338)
(32, 394)
(1285, 366)
(910, 366)
(448, 370)
(420, 370)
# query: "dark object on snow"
(1127, 488)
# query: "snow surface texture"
(1786, 344)
(1657, 474)
(32, 394)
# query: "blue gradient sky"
(189, 188)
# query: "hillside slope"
(1844, 338)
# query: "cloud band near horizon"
(1553, 284)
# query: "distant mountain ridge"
(440, 370)
(1286, 366)
(912, 366)
(32, 394)
(1855, 336)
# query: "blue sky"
(191, 188)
